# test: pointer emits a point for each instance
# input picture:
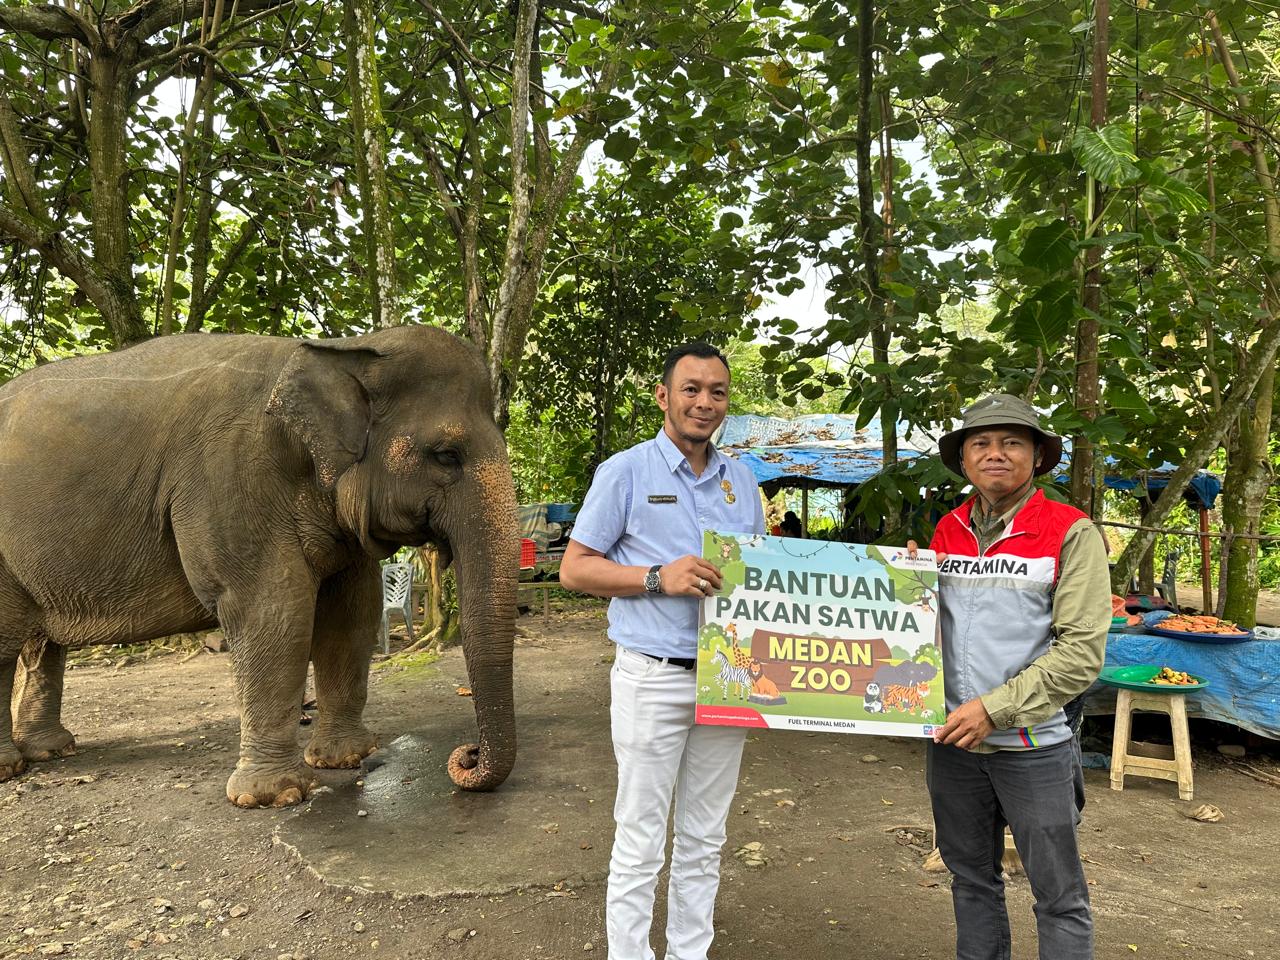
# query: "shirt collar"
(674, 458)
(1026, 510)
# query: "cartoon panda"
(871, 700)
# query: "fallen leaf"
(1206, 813)
(464, 691)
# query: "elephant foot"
(49, 744)
(12, 763)
(340, 751)
(265, 785)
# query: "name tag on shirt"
(662, 498)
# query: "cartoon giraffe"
(741, 658)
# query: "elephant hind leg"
(38, 730)
(12, 761)
(346, 629)
(17, 614)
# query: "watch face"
(651, 581)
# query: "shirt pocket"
(650, 520)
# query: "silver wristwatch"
(652, 580)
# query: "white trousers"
(658, 749)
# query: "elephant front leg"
(269, 648)
(38, 730)
(346, 626)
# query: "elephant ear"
(321, 397)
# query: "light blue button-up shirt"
(645, 506)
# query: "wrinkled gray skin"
(255, 483)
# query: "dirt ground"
(129, 849)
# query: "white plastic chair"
(397, 597)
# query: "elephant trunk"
(487, 559)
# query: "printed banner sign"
(814, 635)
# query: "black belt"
(688, 663)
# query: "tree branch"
(203, 299)
(149, 17)
(16, 163)
(48, 22)
(47, 241)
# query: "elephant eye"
(447, 458)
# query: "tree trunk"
(370, 135)
(1147, 565)
(1259, 360)
(1242, 501)
(201, 105)
(1248, 480)
(869, 229)
(109, 187)
(1086, 380)
(515, 260)
(884, 334)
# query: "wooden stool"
(546, 587)
(1151, 759)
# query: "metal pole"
(1206, 571)
(804, 512)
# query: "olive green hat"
(1000, 410)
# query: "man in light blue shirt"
(638, 539)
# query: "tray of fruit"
(1199, 628)
(1148, 676)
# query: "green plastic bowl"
(1139, 678)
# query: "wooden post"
(804, 512)
(1206, 571)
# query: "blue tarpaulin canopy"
(1201, 492)
(830, 450)
(821, 450)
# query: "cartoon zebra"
(729, 674)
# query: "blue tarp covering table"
(1244, 678)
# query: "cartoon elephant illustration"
(254, 483)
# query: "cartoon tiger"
(908, 699)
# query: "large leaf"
(620, 146)
(1107, 154)
(1125, 400)
(1179, 195)
(1044, 319)
(1050, 247)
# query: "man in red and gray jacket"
(1025, 606)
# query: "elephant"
(254, 483)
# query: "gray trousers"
(1035, 792)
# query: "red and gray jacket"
(996, 613)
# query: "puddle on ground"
(421, 836)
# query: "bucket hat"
(1000, 410)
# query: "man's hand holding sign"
(690, 576)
